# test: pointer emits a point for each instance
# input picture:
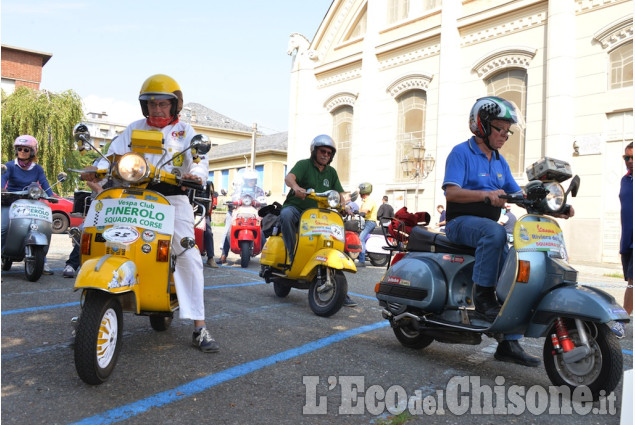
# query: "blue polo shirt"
(468, 168)
(626, 199)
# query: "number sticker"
(121, 234)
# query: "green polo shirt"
(308, 176)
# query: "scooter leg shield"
(581, 302)
(330, 258)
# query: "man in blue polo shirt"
(474, 172)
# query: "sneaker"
(204, 341)
(47, 270)
(618, 329)
(223, 259)
(211, 263)
(69, 271)
(348, 302)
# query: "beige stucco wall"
(567, 95)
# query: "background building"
(22, 67)
(394, 80)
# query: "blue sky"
(228, 56)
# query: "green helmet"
(365, 189)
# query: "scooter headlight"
(35, 192)
(333, 198)
(132, 167)
(554, 200)
(246, 200)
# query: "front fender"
(36, 238)
(330, 258)
(113, 274)
(578, 302)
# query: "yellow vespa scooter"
(126, 249)
(319, 263)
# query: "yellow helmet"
(160, 86)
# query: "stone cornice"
(339, 99)
(389, 61)
(537, 17)
(616, 33)
(508, 57)
(409, 82)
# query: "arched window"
(343, 135)
(621, 66)
(410, 126)
(512, 85)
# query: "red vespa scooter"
(245, 237)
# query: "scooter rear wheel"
(98, 337)
(33, 268)
(600, 371)
(281, 289)
(410, 337)
(326, 302)
(378, 260)
(160, 323)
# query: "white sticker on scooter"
(121, 234)
(125, 275)
(30, 210)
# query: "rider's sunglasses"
(325, 152)
(23, 149)
(627, 157)
(502, 131)
(161, 105)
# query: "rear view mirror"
(574, 186)
(201, 143)
(61, 177)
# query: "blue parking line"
(199, 385)
(44, 307)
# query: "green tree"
(50, 118)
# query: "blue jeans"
(208, 238)
(490, 240)
(289, 220)
(368, 227)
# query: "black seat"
(423, 240)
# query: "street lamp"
(417, 167)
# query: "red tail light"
(398, 256)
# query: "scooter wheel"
(328, 301)
(6, 264)
(411, 337)
(33, 268)
(281, 289)
(378, 260)
(160, 323)
(600, 371)
(98, 337)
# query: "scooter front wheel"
(245, 253)
(327, 296)
(98, 337)
(600, 370)
(34, 266)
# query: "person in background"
(21, 172)
(368, 210)
(96, 186)
(441, 223)
(311, 173)
(475, 172)
(507, 220)
(208, 236)
(626, 241)
(161, 101)
(385, 212)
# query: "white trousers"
(188, 275)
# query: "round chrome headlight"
(333, 198)
(132, 167)
(246, 200)
(35, 192)
(555, 198)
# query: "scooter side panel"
(580, 302)
(274, 252)
(416, 281)
(328, 257)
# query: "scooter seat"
(423, 240)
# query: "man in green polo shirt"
(312, 173)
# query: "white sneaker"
(47, 270)
(69, 271)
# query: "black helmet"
(365, 189)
